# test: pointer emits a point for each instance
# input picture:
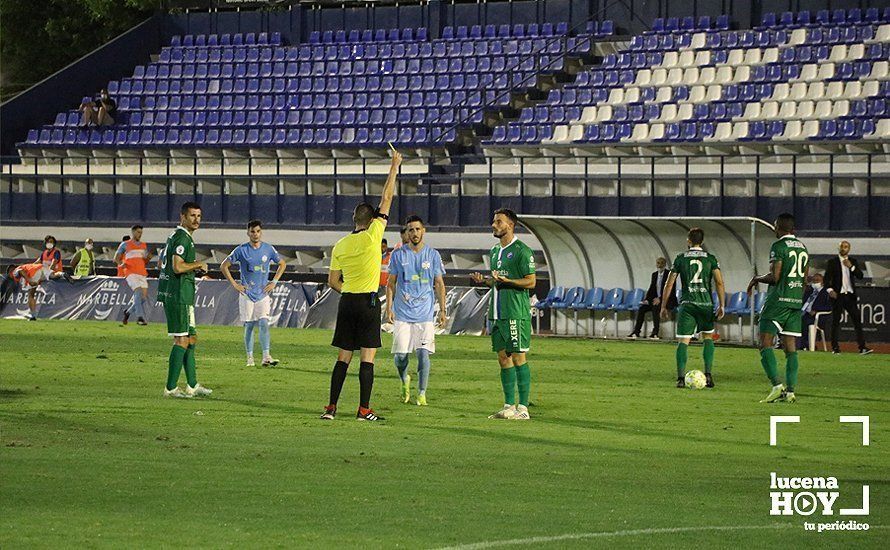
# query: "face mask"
(88, 246)
(50, 246)
(817, 286)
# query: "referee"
(355, 274)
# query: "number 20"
(799, 263)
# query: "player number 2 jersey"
(788, 292)
(177, 288)
(513, 261)
(695, 268)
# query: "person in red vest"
(51, 257)
(133, 255)
(31, 276)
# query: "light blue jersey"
(254, 266)
(415, 272)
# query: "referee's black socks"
(337, 379)
(366, 382)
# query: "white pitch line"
(607, 534)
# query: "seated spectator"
(652, 300)
(83, 263)
(815, 300)
(100, 112)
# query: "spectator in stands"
(652, 301)
(840, 280)
(100, 112)
(815, 300)
(83, 264)
(384, 263)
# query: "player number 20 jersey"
(788, 291)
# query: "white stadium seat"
(809, 73)
(714, 92)
(674, 77)
(588, 115)
(770, 110)
(656, 131)
(739, 130)
(882, 129)
(699, 40)
(810, 129)
(805, 109)
(752, 56)
(669, 113)
(603, 113)
(852, 90)
(815, 91)
(752, 111)
(839, 108)
(735, 57)
(576, 133)
(632, 95)
(659, 77)
(723, 132)
(798, 37)
(640, 133)
(616, 96)
(707, 75)
(702, 58)
(883, 34)
(788, 110)
(855, 52)
(792, 131)
(697, 94)
(826, 71)
(838, 53)
(870, 88)
(781, 91)
(822, 109)
(687, 59)
(834, 90)
(724, 75)
(798, 91)
(560, 135)
(691, 76)
(664, 94)
(670, 60)
(742, 74)
(644, 78)
(880, 70)
(770, 55)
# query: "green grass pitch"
(614, 456)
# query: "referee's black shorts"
(358, 322)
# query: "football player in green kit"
(176, 290)
(789, 264)
(509, 312)
(695, 268)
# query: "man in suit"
(652, 301)
(815, 300)
(840, 280)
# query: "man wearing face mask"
(841, 273)
(815, 300)
(83, 264)
(47, 265)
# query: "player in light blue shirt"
(415, 284)
(254, 303)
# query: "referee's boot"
(367, 414)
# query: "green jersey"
(513, 261)
(176, 288)
(788, 291)
(694, 268)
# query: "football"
(695, 379)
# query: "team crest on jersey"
(180, 250)
(265, 257)
(425, 265)
(509, 255)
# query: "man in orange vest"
(31, 276)
(133, 255)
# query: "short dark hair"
(384, 241)
(696, 236)
(413, 218)
(403, 230)
(190, 205)
(363, 214)
(135, 227)
(254, 223)
(511, 215)
(49, 238)
(785, 222)
(125, 238)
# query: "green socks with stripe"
(791, 366)
(682, 355)
(191, 374)
(174, 366)
(770, 366)
(524, 381)
(508, 381)
(708, 354)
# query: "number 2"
(697, 277)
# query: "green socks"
(770, 367)
(791, 366)
(708, 353)
(524, 381)
(508, 381)
(191, 374)
(177, 354)
(681, 359)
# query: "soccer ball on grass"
(695, 379)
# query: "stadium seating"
(796, 84)
(236, 94)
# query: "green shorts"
(692, 318)
(776, 319)
(511, 335)
(180, 319)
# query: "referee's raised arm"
(389, 188)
